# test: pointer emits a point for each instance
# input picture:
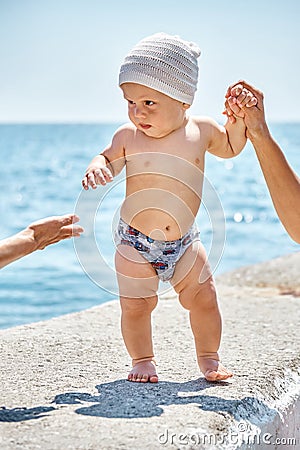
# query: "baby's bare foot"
(143, 371)
(212, 369)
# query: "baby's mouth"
(145, 126)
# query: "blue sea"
(40, 175)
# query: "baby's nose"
(139, 112)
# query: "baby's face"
(153, 113)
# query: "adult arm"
(37, 236)
(283, 183)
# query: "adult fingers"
(245, 98)
(70, 231)
(252, 102)
(237, 90)
(256, 92)
(68, 219)
(77, 230)
(238, 85)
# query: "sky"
(59, 59)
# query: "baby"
(163, 150)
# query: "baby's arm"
(108, 164)
(224, 141)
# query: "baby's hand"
(96, 173)
(237, 98)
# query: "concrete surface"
(63, 381)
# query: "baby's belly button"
(165, 231)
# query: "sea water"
(40, 175)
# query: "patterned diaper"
(162, 255)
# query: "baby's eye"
(130, 102)
(149, 103)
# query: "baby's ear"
(185, 106)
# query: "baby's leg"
(138, 285)
(194, 283)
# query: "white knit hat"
(165, 63)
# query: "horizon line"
(108, 122)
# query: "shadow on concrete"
(20, 414)
(123, 399)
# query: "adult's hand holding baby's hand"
(237, 98)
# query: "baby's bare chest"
(168, 172)
(172, 160)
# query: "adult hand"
(54, 229)
(37, 236)
(254, 116)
